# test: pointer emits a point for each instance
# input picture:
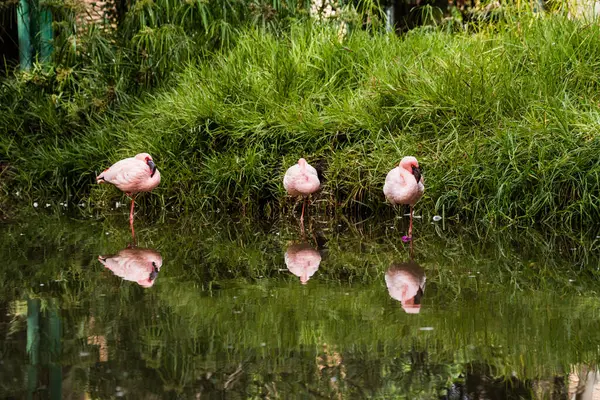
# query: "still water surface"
(206, 308)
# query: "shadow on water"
(506, 315)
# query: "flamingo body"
(132, 175)
(404, 185)
(301, 179)
(302, 261)
(135, 265)
(401, 185)
(406, 282)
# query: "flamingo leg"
(131, 217)
(302, 216)
(411, 223)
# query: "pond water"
(208, 308)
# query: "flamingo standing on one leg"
(404, 185)
(132, 175)
(301, 180)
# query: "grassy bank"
(503, 119)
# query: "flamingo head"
(155, 259)
(411, 164)
(147, 158)
(154, 273)
(411, 309)
(413, 305)
(304, 278)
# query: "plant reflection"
(223, 323)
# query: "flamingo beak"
(417, 173)
(418, 296)
(152, 167)
(154, 273)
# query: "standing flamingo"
(301, 180)
(404, 185)
(134, 264)
(132, 175)
(302, 260)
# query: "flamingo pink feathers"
(404, 185)
(302, 261)
(406, 282)
(301, 180)
(136, 265)
(132, 175)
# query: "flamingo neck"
(304, 277)
(406, 174)
(302, 164)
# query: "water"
(475, 314)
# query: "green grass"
(503, 118)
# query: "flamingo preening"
(134, 264)
(404, 185)
(301, 180)
(132, 175)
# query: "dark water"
(474, 315)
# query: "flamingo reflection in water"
(406, 283)
(134, 264)
(302, 260)
(584, 382)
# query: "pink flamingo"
(302, 261)
(301, 180)
(135, 265)
(404, 185)
(132, 175)
(406, 282)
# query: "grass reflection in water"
(508, 314)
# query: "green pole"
(33, 344)
(45, 26)
(24, 30)
(54, 334)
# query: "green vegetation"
(503, 116)
(223, 302)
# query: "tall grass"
(502, 117)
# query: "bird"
(406, 283)
(302, 261)
(301, 179)
(404, 185)
(134, 264)
(132, 176)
